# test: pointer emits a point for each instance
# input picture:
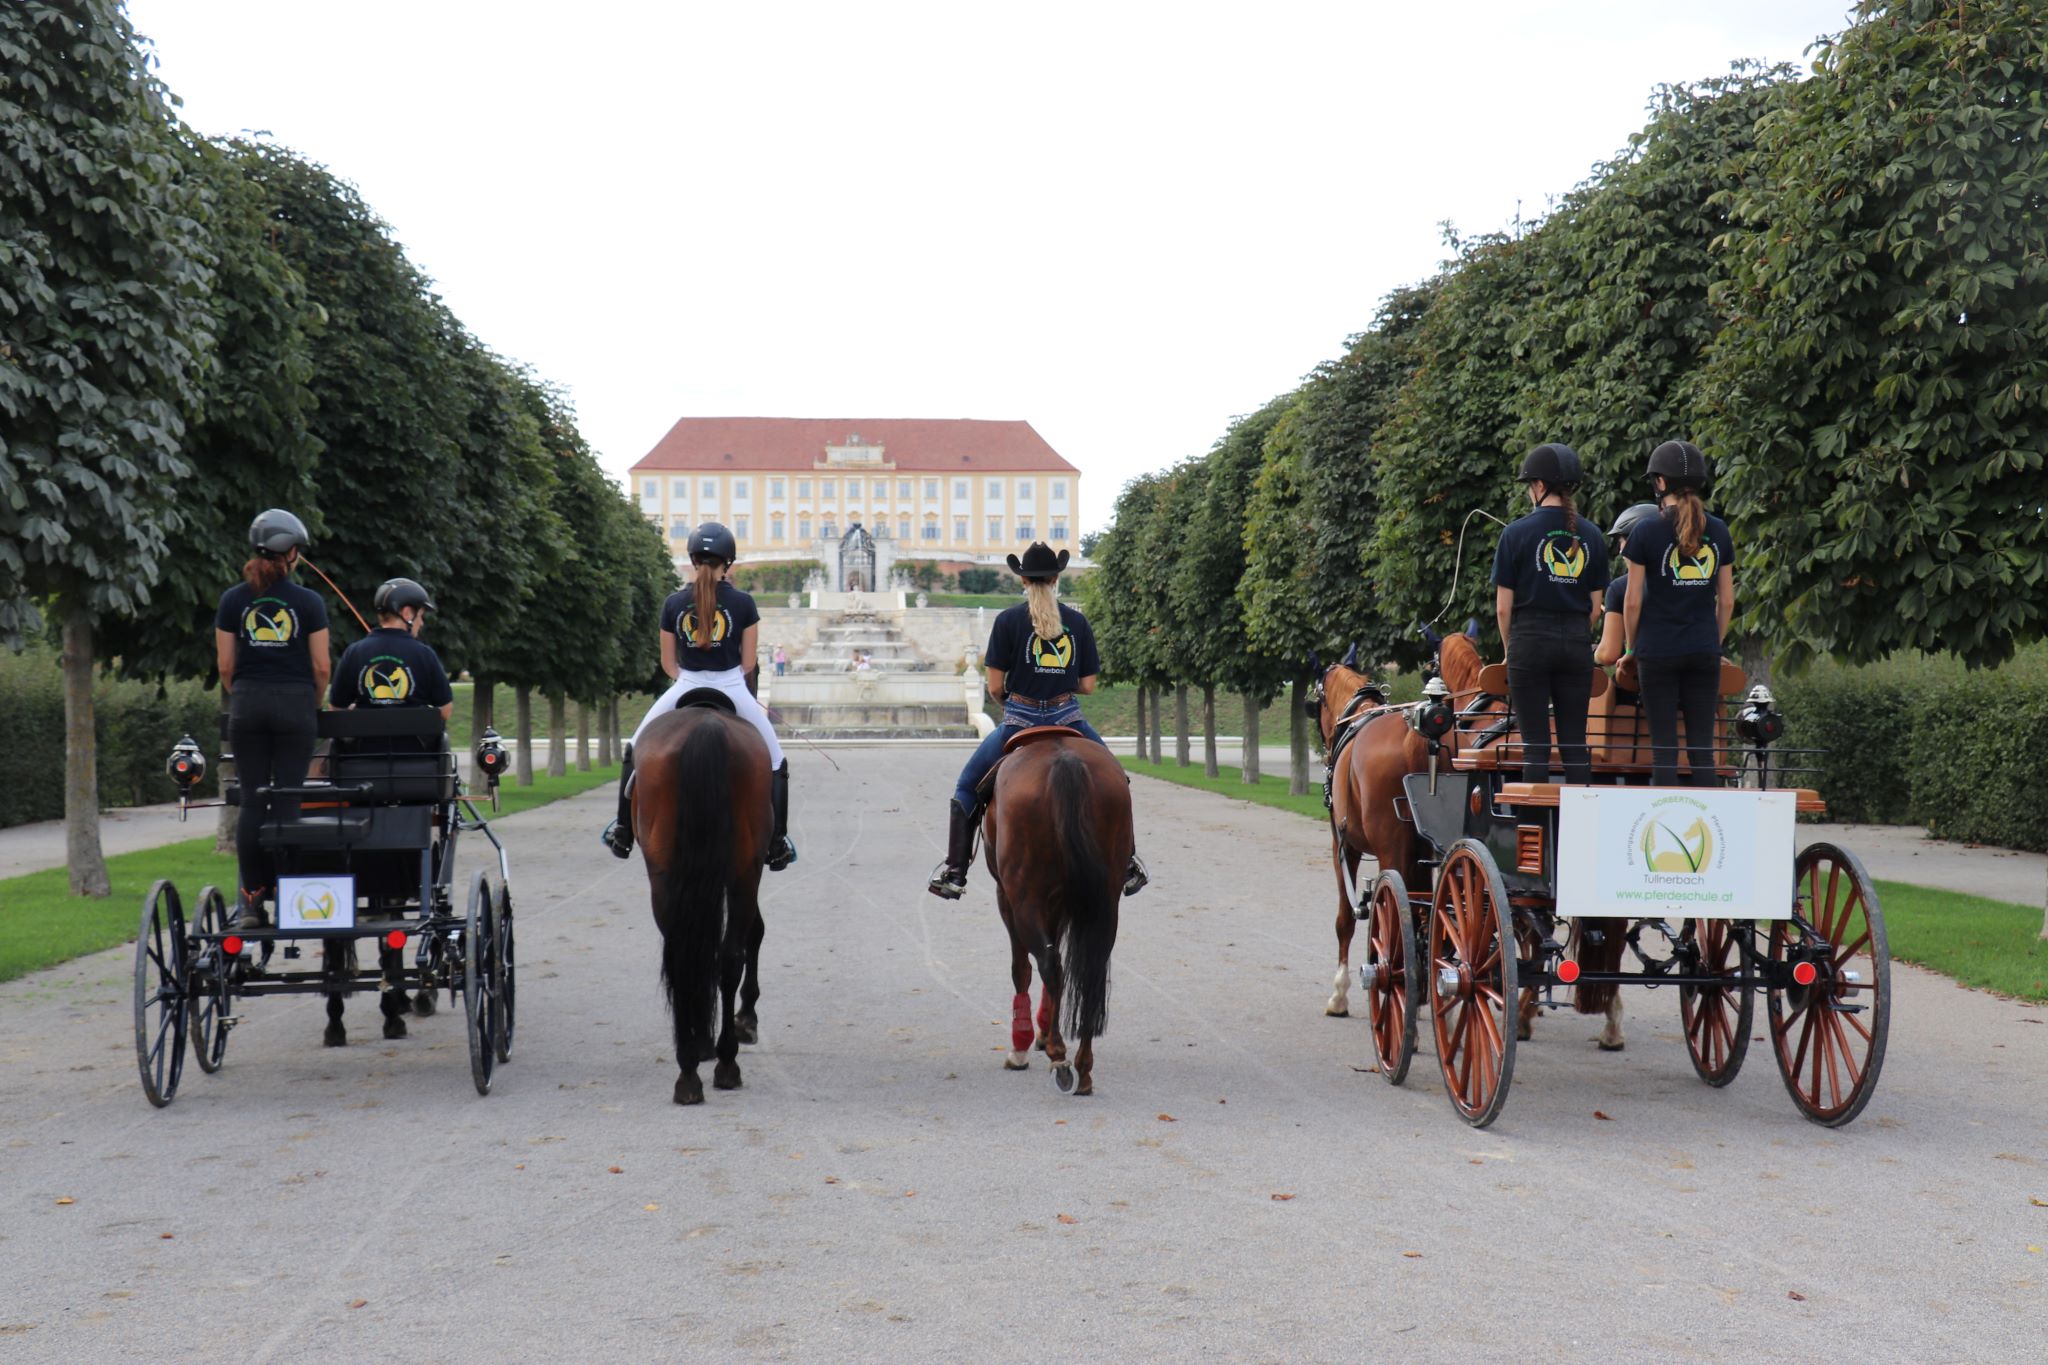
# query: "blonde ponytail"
(1689, 519)
(704, 609)
(1041, 596)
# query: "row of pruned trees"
(1836, 284)
(192, 330)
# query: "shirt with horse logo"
(1036, 667)
(272, 629)
(1678, 615)
(388, 667)
(694, 654)
(1551, 566)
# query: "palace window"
(677, 530)
(803, 527)
(679, 492)
(930, 529)
(775, 528)
(711, 490)
(803, 488)
(995, 529)
(1059, 530)
(775, 488)
(903, 528)
(650, 495)
(1023, 530)
(960, 490)
(828, 488)
(902, 488)
(1023, 493)
(831, 529)
(1059, 490)
(960, 529)
(994, 492)
(881, 489)
(739, 528)
(741, 489)
(931, 490)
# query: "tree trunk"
(224, 828)
(1158, 723)
(1208, 730)
(81, 761)
(1180, 724)
(522, 764)
(605, 756)
(582, 736)
(1141, 722)
(558, 735)
(618, 728)
(1297, 740)
(1250, 769)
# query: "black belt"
(1034, 704)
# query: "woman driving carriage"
(270, 643)
(1041, 660)
(1548, 575)
(1681, 596)
(719, 653)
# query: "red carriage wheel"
(1716, 1018)
(1829, 1030)
(1390, 995)
(1472, 982)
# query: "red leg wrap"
(1020, 1022)
(1045, 1010)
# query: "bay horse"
(702, 820)
(1057, 839)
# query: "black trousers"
(1674, 684)
(272, 730)
(1550, 664)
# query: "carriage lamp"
(186, 765)
(1434, 718)
(1760, 722)
(491, 757)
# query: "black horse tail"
(1091, 900)
(693, 887)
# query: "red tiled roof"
(925, 444)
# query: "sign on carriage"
(316, 902)
(1658, 851)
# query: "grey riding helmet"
(713, 541)
(278, 532)
(1630, 518)
(396, 594)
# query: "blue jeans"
(1015, 718)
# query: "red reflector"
(1804, 973)
(231, 945)
(395, 939)
(1567, 972)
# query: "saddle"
(710, 697)
(985, 790)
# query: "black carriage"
(368, 860)
(1509, 909)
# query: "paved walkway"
(1242, 1187)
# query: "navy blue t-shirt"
(1551, 568)
(1042, 669)
(1678, 611)
(736, 611)
(1617, 593)
(388, 667)
(272, 631)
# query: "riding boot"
(249, 912)
(618, 835)
(949, 882)
(781, 852)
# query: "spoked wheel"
(206, 1006)
(480, 984)
(1390, 997)
(1829, 1028)
(1716, 1018)
(160, 993)
(506, 995)
(1472, 981)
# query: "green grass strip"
(43, 924)
(1987, 944)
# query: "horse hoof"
(1063, 1078)
(1612, 1047)
(1085, 1089)
(1523, 1033)
(749, 1030)
(335, 1036)
(423, 1004)
(1017, 1061)
(1337, 1011)
(689, 1090)
(726, 1075)
(394, 1026)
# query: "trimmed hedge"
(1926, 741)
(136, 722)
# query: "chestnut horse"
(1057, 838)
(702, 819)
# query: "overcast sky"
(1125, 223)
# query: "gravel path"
(1240, 1188)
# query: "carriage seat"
(352, 829)
(712, 697)
(399, 753)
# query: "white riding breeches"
(732, 682)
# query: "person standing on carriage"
(1548, 575)
(1681, 596)
(716, 647)
(1613, 625)
(1041, 661)
(270, 644)
(392, 666)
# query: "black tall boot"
(781, 851)
(949, 882)
(618, 835)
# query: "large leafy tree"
(1878, 400)
(103, 272)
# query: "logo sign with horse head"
(1652, 851)
(316, 902)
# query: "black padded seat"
(365, 828)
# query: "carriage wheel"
(206, 1006)
(479, 984)
(1472, 982)
(506, 995)
(1830, 1034)
(160, 993)
(1390, 996)
(1716, 1018)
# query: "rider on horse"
(715, 649)
(1041, 659)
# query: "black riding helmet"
(1681, 463)
(1556, 464)
(277, 532)
(396, 594)
(1630, 518)
(713, 541)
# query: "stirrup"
(1135, 879)
(781, 853)
(618, 838)
(948, 883)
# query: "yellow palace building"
(958, 490)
